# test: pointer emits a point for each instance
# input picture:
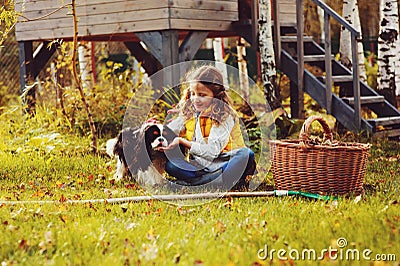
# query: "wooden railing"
(328, 14)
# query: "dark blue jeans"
(231, 168)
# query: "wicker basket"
(328, 167)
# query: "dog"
(138, 155)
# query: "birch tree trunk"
(267, 56)
(85, 64)
(388, 35)
(351, 15)
(218, 46)
(321, 22)
(361, 58)
(397, 57)
(345, 38)
(397, 67)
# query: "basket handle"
(304, 139)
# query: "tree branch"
(78, 80)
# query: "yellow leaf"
(35, 141)
(219, 228)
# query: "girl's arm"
(177, 124)
(179, 141)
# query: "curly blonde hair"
(212, 78)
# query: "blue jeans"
(229, 169)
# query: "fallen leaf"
(48, 236)
(63, 218)
(149, 251)
(42, 246)
(130, 226)
(177, 258)
(181, 211)
(131, 186)
(23, 244)
(159, 211)
(63, 198)
(198, 263)
(384, 209)
(12, 228)
(151, 235)
(38, 194)
(228, 203)
(219, 228)
(90, 178)
(357, 199)
(263, 212)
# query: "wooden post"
(300, 57)
(189, 47)
(41, 56)
(277, 34)
(26, 74)
(356, 82)
(164, 46)
(30, 65)
(294, 96)
(191, 44)
(170, 47)
(328, 63)
(149, 62)
(254, 23)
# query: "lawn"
(47, 164)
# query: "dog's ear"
(151, 132)
(142, 159)
(125, 147)
(110, 147)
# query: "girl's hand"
(177, 141)
(172, 145)
(174, 110)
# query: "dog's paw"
(118, 177)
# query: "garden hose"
(178, 197)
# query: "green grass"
(219, 232)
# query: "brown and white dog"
(137, 153)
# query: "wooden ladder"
(354, 95)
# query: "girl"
(208, 127)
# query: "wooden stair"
(387, 122)
(365, 100)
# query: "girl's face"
(201, 96)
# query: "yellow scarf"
(235, 140)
